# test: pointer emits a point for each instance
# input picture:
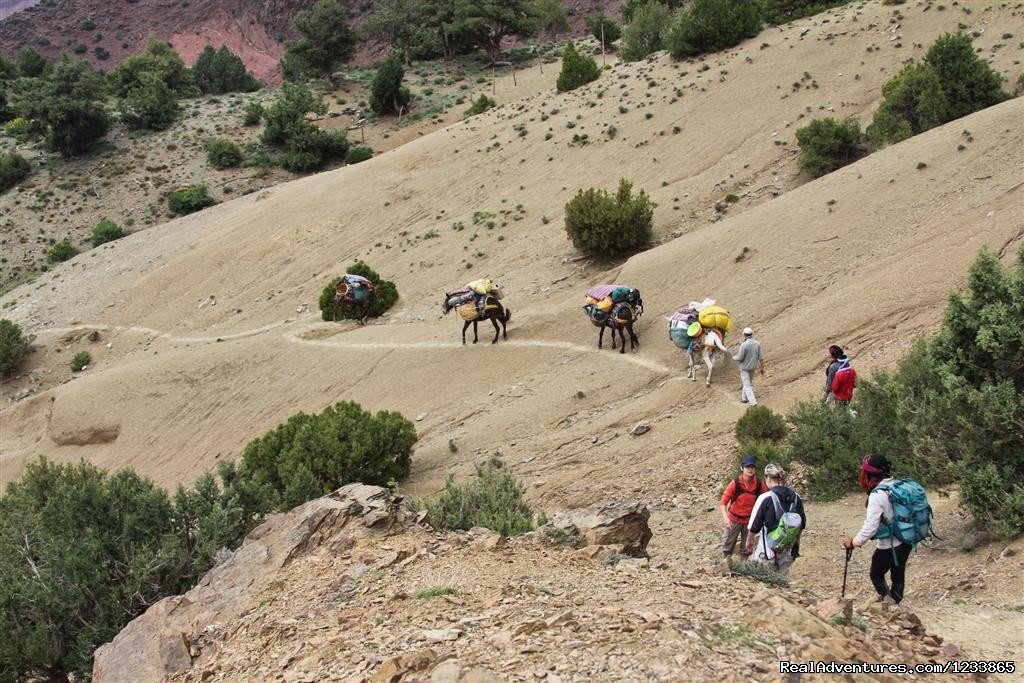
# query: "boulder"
(169, 637)
(613, 522)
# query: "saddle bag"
(468, 311)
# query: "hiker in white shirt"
(891, 554)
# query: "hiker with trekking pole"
(898, 518)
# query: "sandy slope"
(214, 335)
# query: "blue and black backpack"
(912, 515)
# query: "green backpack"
(787, 532)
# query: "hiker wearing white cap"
(750, 358)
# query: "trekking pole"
(846, 568)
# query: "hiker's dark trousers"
(882, 563)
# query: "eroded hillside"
(208, 333)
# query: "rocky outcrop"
(621, 523)
(172, 635)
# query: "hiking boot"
(725, 568)
(887, 600)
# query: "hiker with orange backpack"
(737, 502)
(898, 517)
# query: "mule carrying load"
(354, 295)
(479, 300)
(470, 301)
(353, 288)
(603, 300)
(617, 307)
(700, 327)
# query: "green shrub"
(357, 154)
(80, 361)
(385, 295)
(159, 60)
(711, 25)
(761, 572)
(387, 94)
(912, 103)
(13, 346)
(951, 414)
(577, 69)
(968, 82)
(311, 455)
(103, 548)
(105, 231)
(189, 200)
(13, 169)
(149, 103)
(303, 146)
(219, 71)
(645, 33)
(759, 423)
(494, 499)
(612, 31)
(65, 104)
(253, 112)
(605, 224)
(60, 252)
(480, 105)
(221, 153)
(827, 144)
(18, 128)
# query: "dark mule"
(347, 304)
(493, 311)
(621, 320)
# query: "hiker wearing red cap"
(737, 502)
(891, 553)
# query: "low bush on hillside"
(189, 200)
(951, 82)
(13, 347)
(494, 499)
(311, 455)
(83, 552)
(385, 295)
(761, 572)
(950, 415)
(760, 423)
(61, 251)
(358, 154)
(606, 224)
(149, 104)
(13, 169)
(80, 361)
(302, 146)
(827, 144)
(577, 69)
(221, 153)
(480, 105)
(711, 25)
(645, 33)
(105, 231)
(252, 114)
